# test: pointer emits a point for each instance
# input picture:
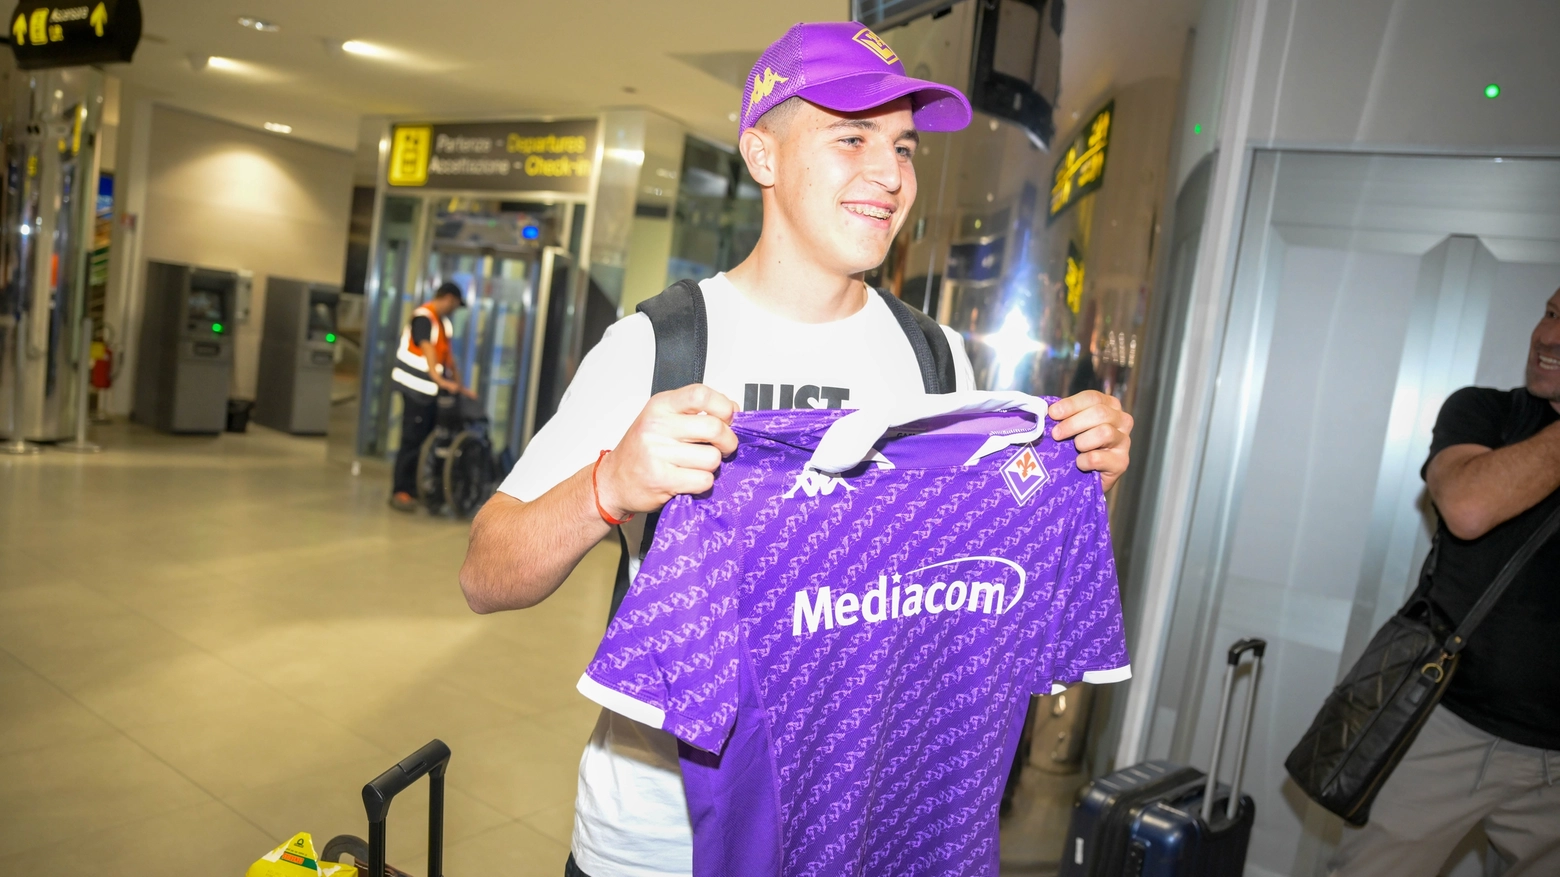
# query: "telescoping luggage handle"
(1232, 806)
(431, 760)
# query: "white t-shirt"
(630, 815)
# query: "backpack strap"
(682, 335)
(681, 338)
(932, 352)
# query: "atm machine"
(186, 356)
(297, 356)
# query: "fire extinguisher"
(102, 366)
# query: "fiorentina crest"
(1024, 474)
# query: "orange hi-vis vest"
(411, 367)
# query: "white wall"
(210, 193)
(1409, 74)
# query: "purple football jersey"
(847, 659)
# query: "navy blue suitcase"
(1155, 820)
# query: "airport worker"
(424, 368)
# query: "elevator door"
(1367, 288)
(493, 333)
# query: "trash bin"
(238, 414)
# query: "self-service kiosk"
(297, 356)
(186, 354)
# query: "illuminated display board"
(495, 156)
(1081, 169)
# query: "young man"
(1490, 752)
(829, 129)
(423, 369)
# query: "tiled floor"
(208, 644)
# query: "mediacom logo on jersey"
(884, 603)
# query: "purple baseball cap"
(845, 67)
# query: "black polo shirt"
(1508, 680)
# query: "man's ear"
(758, 149)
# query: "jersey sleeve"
(1086, 637)
(422, 330)
(1470, 416)
(670, 658)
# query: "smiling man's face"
(844, 182)
(1543, 366)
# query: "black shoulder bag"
(1369, 720)
(682, 337)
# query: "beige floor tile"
(38, 714)
(181, 688)
(513, 850)
(207, 838)
(328, 801)
(520, 769)
(556, 822)
(55, 793)
(256, 745)
(401, 718)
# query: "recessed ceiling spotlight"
(367, 50)
(278, 127)
(258, 24)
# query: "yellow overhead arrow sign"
(19, 30)
(98, 19)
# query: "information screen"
(205, 306)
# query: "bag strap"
(1502, 581)
(932, 352)
(681, 335)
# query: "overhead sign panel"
(1081, 169)
(45, 34)
(495, 156)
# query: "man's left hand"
(1100, 430)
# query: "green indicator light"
(1492, 91)
(1197, 129)
(217, 328)
(330, 337)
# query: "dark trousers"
(417, 420)
(572, 870)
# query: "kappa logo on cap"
(883, 50)
(764, 85)
(1024, 474)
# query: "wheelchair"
(456, 468)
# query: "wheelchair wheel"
(430, 471)
(468, 473)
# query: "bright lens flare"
(1011, 343)
(367, 50)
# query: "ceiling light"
(217, 62)
(278, 127)
(367, 50)
(258, 24)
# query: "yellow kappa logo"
(883, 50)
(764, 85)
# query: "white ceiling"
(487, 58)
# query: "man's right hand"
(674, 447)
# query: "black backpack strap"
(681, 338)
(682, 335)
(930, 344)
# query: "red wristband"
(595, 493)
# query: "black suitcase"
(1155, 820)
